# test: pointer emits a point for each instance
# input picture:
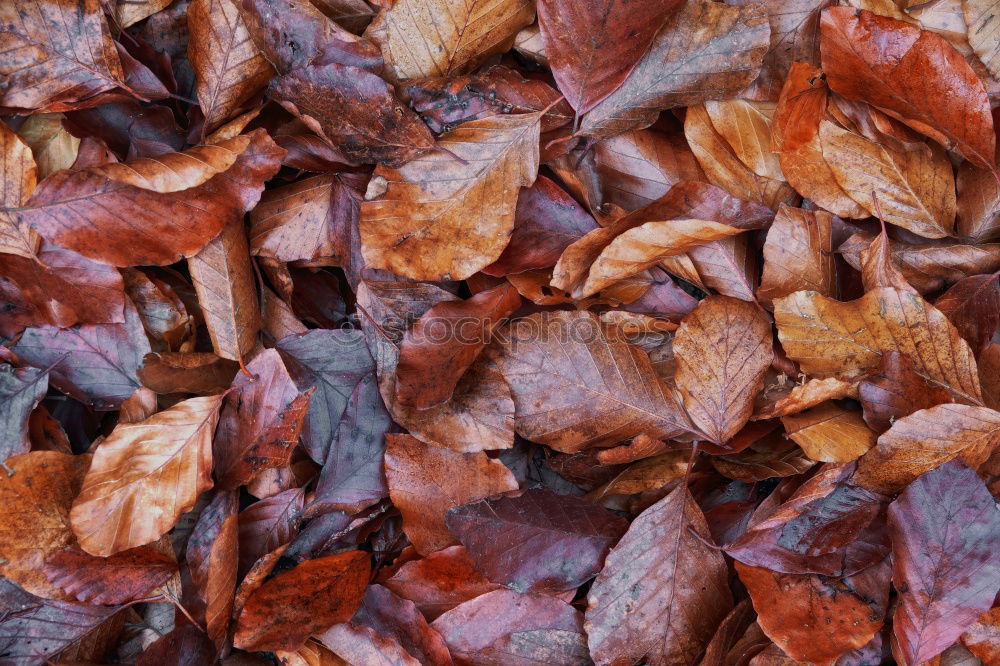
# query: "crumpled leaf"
(144, 476)
(912, 74)
(945, 569)
(829, 338)
(683, 66)
(425, 481)
(552, 543)
(719, 380)
(662, 590)
(442, 218)
(175, 203)
(577, 383)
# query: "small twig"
(378, 329)
(691, 461)
(177, 602)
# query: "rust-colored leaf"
(894, 391)
(126, 576)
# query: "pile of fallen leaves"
(491, 332)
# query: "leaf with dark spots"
(446, 103)
(124, 577)
(816, 618)
(260, 422)
(943, 528)
(295, 604)
(828, 526)
(894, 390)
(552, 543)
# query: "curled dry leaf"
(926, 439)
(448, 214)
(829, 338)
(765, 461)
(421, 38)
(425, 481)
(944, 523)
(804, 396)
(878, 266)
(663, 589)
(180, 372)
(719, 379)
(38, 491)
(684, 65)
(577, 383)
(100, 211)
(504, 628)
(894, 390)
(913, 74)
(830, 433)
(144, 476)
(287, 609)
(441, 345)
(552, 543)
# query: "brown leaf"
(268, 525)
(445, 38)
(829, 338)
(804, 396)
(228, 66)
(122, 578)
(816, 618)
(724, 168)
(16, 185)
(680, 69)
(180, 372)
(439, 582)
(914, 181)
(723, 349)
(442, 344)
(295, 604)
(830, 433)
(426, 481)
(144, 476)
(795, 137)
(442, 218)
(761, 461)
(175, 203)
(61, 54)
(914, 75)
(973, 306)
(260, 422)
(878, 266)
(577, 383)
(894, 390)
(798, 254)
(211, 554)
(592, 48)
(978, 196)
(227, 293)
(727, 266)
(163, 313)
(355, 110)
(926, 439)
(523, 630)
(662, 591)
(37, 496)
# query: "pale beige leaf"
(798, 254)
(228, 66)
(577, 383)
(829, 338)
(982, 18)
(52, 146)
(746, 127)
(723, 348)
(129, 12)
(644, 246)
(724, 168)
(830, 433)
(442, 218)
(913, 181)
(423, 38)
(227, 292)
(144, 476)
(18, 176)
(926, 439)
